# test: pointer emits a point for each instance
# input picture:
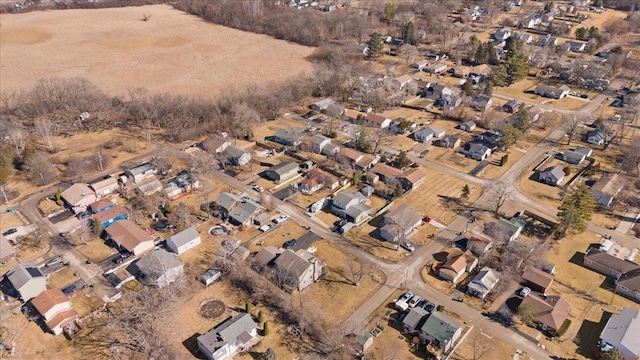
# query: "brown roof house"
(55, 309)
(607, 188)
(215, 144)
(536, 279)
(449, 142)
(412, 179)
(457, 264)
(356, 159)
(377, 121)
(550, 313)
(606, 264)
(130, 237)
(629, 285)
(400, 222)
(78, 196)
(387, 174)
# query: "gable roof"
(227, 200)
(414, 317)
(319, 139)
(440, 327)
(101, 204)
(127, 234)
(630, 280)
(385, 170)
(184, 236)
(215, 144)
(609, 261)
(141, 169)
(22, 274)
(110, 213)
(110, 181)
(6, 249)
(158, 262)
(487, 278)
(609, 184)
(76, 192)
(344, 197)
(403, 215)
(48, 299)
(284, 167)
(244, 210)
(294, 263)
(538, 277)
(414, 175)
(233, 151)
(623, 329)
(375, 119)
(551, 312)
(235, 330)
(555, 171)
(350, 154)
(266, 255)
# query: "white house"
(599, 136)
(552, 91)
(478, 151)
(377, 121)
(223, 341)
(184, 240)
(502, 35)
(55, 309)
(621, 332)
(105, 186)
(400, 222)
(483, 282)
(237, 156)
(141, 173)
(28, 281)
(159, 268)
(78, 196)
(436, 68)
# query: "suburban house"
(629, 285)
(467, 126)
(505, 229)
(282, 171)
(377, 121)
(215, 144)
(78, 196)
(412, 179)
(552, 91)
(609, 265)
(414, 319)
(438, 91)
(404, 80)
(552, 175)
(28, 281)
(573, 157)
(550, 313)
(483, 282)
(353, 116)
(159, 268)
(548, 39)
(184, 240)
(479, 245)
(599, 136)
(103, 219)
(536, 279)
(351, 205)
(223, 341)
(461, 71)
(127, 236)
(6, 249)
(420, 64)
(330, 149)
(225, 202)
(440, 333)
(449, 142)
(141, 173)
(244, 213)
(310, 185)
(100, 205)
(321, 104)
(55, 309)
(356, 159)
(287, 137)
(318, 142)
(607, 188)
(502, 35)
(149, 188)
(105, 186)
(387, 174)
(237, 156)
(480, 102)
(436, 68)
(511, 106)
(458, 262)
(428, 133)
(575, 46)
(621, 332)
(477, 151)
(301, 266)
(399, 222)
(524, 37)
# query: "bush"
(440, 308)
(563, 329)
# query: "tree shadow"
(589, 334)
(191, 344)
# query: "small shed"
(210, 276)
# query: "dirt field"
(117, 51)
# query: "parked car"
(406, 296)
(258, 188)
(122, 257)
(281, 218)
(310, 114)
(524, 291)
(289, 244)
(69, 290)
(56, 260)
(265, 228)
(414, 300)
(458, 299)
(83, 215)
(426, 219)
(9, 232)
(408, 246)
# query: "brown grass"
(498, 348)
(96, 250)
(62, 278)
(172, 52)
(9, 220)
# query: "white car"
(406, 296)
(258, 188)
(281, 218)
(408, 246)
(414, 300)
(265, 228)
(524, 291)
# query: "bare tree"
(46, 129)
(357, 269)
(379, 138)
(244, 118)
(76, 167)
(631, 157)
(480, 347)
(570, 125)
(408, 52)
(35, 240)
(181, 217)
(40, 169)
(501, 192)
(282, 278)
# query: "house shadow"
(7, 289)
(191, 344)
(441, 257)
(255, 355)
(513, 303)
(589, 334)
(608, 283)
(577, 258)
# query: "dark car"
(289, 244)
(617, 103)
(83, 215)
(458, 299)
(122, 257)
(310, 114)
(9, 232)
(69, 290)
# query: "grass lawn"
(85, 301)
(518, 89)
(285, 232)
(9, 220)
(96, 250)
(491, 347)
(569, 103)
(62, 278)
(33, 343)
(494, 171)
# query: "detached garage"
(184, 240)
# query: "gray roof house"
(184, 240)
(607, 188)
(237, 156)
(244, 213)
(483, 282)
(552, 91)
(159, 268)
(478, 151)
(283, 171)
(351, 205)
(427, 134)
(321, 104)
(149, 188)
(141, 173)
(502, 35)
(414, 319)
(573, 157)
(318, 142)
(505, 229)
(400, 222)
(223, 341)
(467, 126)
(215, 144)
(599, 136)
(480, 102)
(27, 280)
(303, 268)
(622, 332)
(552, 175)
(450, 142)
(440, 333)
(227, 201)
(286, 137)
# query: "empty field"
(116, 50)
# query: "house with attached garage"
(237, 156)
(606, 264)
(607, 188)
(436, 68)
(103, 219)
(27, 280)
(282, 172)
(427, 134)
(215, 144)
(400, 222)
(449, 142)
(105, 186)
(621, 332)
(235, 334)
(183, 241)
(287, 137)
(78, 196)
(244, 213)
(467, 126)
(141, 173)
(599, 136)
(127, 236)
(629, 285)
(387, 174)
(480, 102)
(476, 151)
(159, 268)
(483, 283)
(573, 157)
(552, 91)
(55, 310)
(224, 203)
(552, 175)
(550, 313)
(356, 159)
(353, 206)
(458, 262)
(301, 267)
(412, 179)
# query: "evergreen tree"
(376, 46)
(467, 87)
(481, 54)
(402, 160)
(466, 191)
(504, 159)
(500, 77)
(355, 178)
(389, 12)
(472, 47)
(513, 47)
(488, 89)
(581, 33)
(575, 211)
(362, 141)
(517, 68)
(492, 56)
(399, 191)
(59, 197)
(266, 330)
(527, 314)
(409, 33)
(522, 121)
(248, 307)
(260, 317)
(510, 135)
